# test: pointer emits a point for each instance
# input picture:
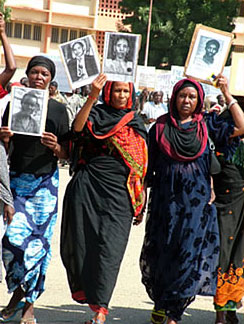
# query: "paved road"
(129, 304)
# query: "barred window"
(64, 35)
(9, 29)
(27, 31)
(37, 33)
(73, 34)
(55, 35)
(82, 33)
(17, 30)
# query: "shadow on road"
(78, 314)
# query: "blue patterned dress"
(179, 258)
(27, 251)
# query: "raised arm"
(10, 65)
(233, 106)
(83, 114)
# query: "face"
(78, 50)
(157, 97)
(52, 90)
(120, 95)
(211, 50)
(121, 48)
(186, 102)
(221, 101)
(29, 105)
(39, 77)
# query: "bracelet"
(93, 98)
(233, 101)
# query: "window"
(64, 35)
(37, 33)
(82, 33)
(55, 34)
(27, 31)
(17, 30)
(73, 34)
(9, 29)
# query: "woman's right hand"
(5, 134)
(97, 85)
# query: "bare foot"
(171, 321)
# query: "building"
(40, 26)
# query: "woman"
(229, 187)
(104, 194)
(24, 120)
(34, 184)
(179, 257)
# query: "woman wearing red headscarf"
(106, 191)
(180, 255)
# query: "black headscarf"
(41, 61)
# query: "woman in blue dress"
(180, 254)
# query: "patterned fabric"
(180, 254)
(26, 244)
(133, 149)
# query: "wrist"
(93, 97)
(231, 103)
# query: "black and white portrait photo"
(120, 56)
(208, 53)
(28, 109)
(80, 60)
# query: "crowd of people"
(129, 155)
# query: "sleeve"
(5, 192)
(220, 128)
(152, 155)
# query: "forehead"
(40, 68)
(122, 42)
(121, 85)
(187, 90)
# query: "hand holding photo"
(208, 53)
(120, 56)
(28, 109)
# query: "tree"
(5, 10)
(173, 24)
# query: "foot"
(9, 312)
(171, 321)
(99, 318)
(231, 317)
(220, 318)
(30, 320)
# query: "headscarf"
(41, 61)
(174, 140)
(125, 130)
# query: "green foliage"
(173, 24)
(5, 10)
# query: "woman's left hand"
(213, 196)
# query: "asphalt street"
(129, 304)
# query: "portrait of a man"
(80, 61)
(211, 49)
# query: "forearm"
(82, 116)
(10, 65)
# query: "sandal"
(31, 320)
(7, 311)
(158, 317)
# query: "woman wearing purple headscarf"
(179, 258)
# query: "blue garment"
(180, 253)
(26, 244)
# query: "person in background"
(54, 93)
(104, 194)
(24, 81)
(153, 109)
(143, 98)
(180, 253)
(221, 102)
(229, 189)
(73, 103)
(34, 183)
